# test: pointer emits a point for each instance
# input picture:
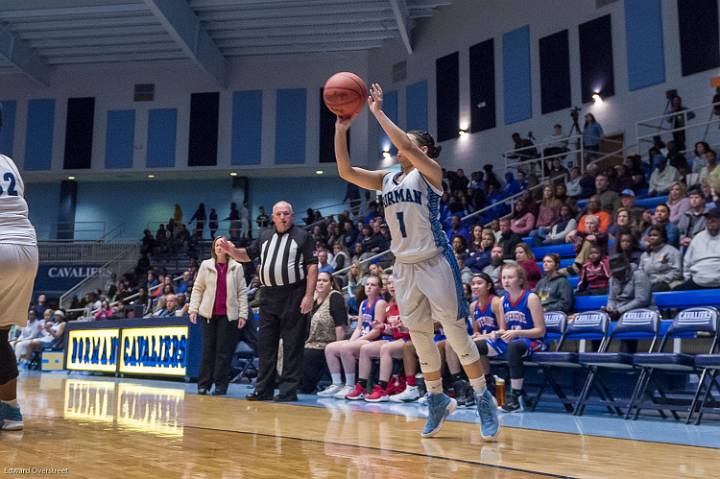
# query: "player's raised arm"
(428, 167)
(370, 180)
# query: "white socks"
(434, 386)
(478, 384)
(350, 379)
(336, 378)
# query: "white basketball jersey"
(412, 213)
(15, 227)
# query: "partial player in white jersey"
(427, 277)
(18, 266)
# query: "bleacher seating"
(650, 202)
(665, 300)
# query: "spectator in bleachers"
(609, 200)
(323, 264)
(629, 288)
(678, 201)
(475, 244)
(497, 260)
(465, 271)
(458, 245)
(479, 256)
(574, 185)
(548, 212)
(698, 160)
(661, 262)
(328, 323)
(663, 174)
(105, 311)
(490, 177)
(592, 133)
(41, 305)
(508, 239)
(512, 186)
(701, 262)
(199, 217)
(169, 308)
(184, 283)
(594, 273)
(524, 148)
(622, 181)
(677, 118)
(555, 144)
(213, 223)
(627, 201)
(553, 289)
(662, 218)
(53, 335)
(457, 228)
(523, 220)
(627, 245)
(593, 209)
(676, 158)
(525, 258)
(234, 218)
(692, 221)
(558, 230)
(32, 330)
(341, 257)
(349, 235)
(591, 235)
(710, 169)
(622, 223)
(245, 221)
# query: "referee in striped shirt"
(288, 273)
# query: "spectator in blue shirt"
(184, 283)
(592, 133)
(457, 229)
(662, 218)
(323, 265)
(512, 186)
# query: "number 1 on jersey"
(401, 219)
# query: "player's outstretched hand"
(343, 123)
(375, 99)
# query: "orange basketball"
(345, 94)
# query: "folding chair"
(635, 324)
(689, 323)
(589, 325)
(710, 364)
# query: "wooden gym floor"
(95, 427)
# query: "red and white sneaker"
(378, 395)
(357, 393)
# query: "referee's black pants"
(280, 318)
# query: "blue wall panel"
(517, 79)
(247, 127)
(162, 131)
(7, 133)
(416, 106)
(290, 126)
(39, 135)
(644, 41)
(390, 106)
(119, 139)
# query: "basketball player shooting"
(18, 266)
(427, 277)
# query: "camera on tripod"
(575, 113)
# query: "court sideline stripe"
(396, 451)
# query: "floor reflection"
(125, 405)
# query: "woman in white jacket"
(219, 296)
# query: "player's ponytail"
(426, 139)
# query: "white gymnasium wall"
(467, 22)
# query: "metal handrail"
(659, 127)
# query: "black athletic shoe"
(219, 392)
(202, 391)
(258, 397)
(515, 402)
(464, 393)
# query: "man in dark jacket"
(508, 239)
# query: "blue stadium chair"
(633, 325)
(590, 325)
(689, 323)
(666, 300)
(573, 280)
(642, 202)
(710, 365)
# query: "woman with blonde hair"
(525, 323)
(219, 296)
(677, 201)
